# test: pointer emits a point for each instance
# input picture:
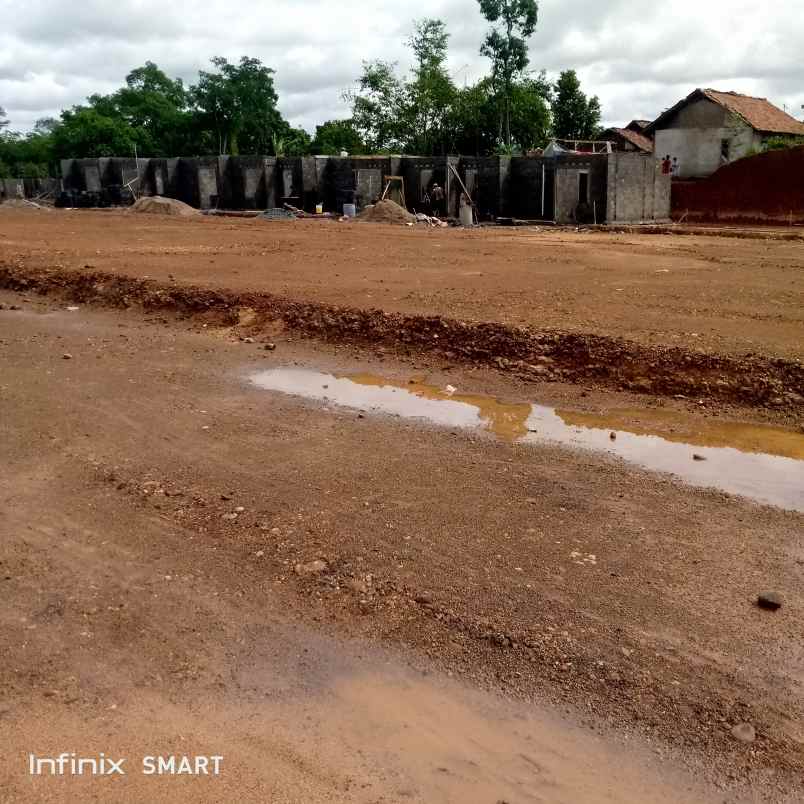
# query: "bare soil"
(715, 294)
(360, 608)
(144, 611)
(293, 282)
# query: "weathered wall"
(637, 190)
(483, 178)
(525, 183)
(570, 207)
(695, 135)
(767, 188)
(28, 187)
(548, 188)
(500, 186)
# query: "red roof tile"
(640, 141)
(759, 113)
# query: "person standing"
(675, 170)
(437, 195)
(667, 165)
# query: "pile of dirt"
(386, 211)
(158, 205)
(21, 203)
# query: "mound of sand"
(386, 212)
(158, 205)
(21, 203)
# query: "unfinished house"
(709, 129)
(612, 187)
(565, 187)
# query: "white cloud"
(639, 59)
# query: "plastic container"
(319, 209)
(349, 210)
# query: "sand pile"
(386, 212)
(157, 205)
(21, 203)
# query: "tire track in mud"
(751, 379)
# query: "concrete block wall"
(525, 187)
(570, 207)
(481, 175)
(637, 190)
(28, 187)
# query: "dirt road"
(715, 294)
(163, 520)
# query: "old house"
(708, 129)
(630, 138)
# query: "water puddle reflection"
(757, 461)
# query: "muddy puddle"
(761, 462)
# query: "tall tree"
(3, 118)
(156, 108)
(513, 23)
(575, 117)
(530, 112)
(431, 93)
(378, 106)
(238, 103)
(475, 117)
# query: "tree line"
(233, 108)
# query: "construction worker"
(437, 195)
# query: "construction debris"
(20, 203)
(277, 214)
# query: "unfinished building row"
(567, 188)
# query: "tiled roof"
(759, 113)
(638, 140)
(638, 125)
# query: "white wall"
(695, 133)
(698, 150)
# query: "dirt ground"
(358, 607)
(161, 517)
(717, 294)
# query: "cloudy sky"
(638, 57)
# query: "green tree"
(238, 104)
(294, 142)
(574, 116)
(474, 119)
(378, 107)
(335, 136)
(530, 113)
(155, 107)
(3, 119)
(782, 142)
(84, 132)
(430, 95)
(513, 23)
